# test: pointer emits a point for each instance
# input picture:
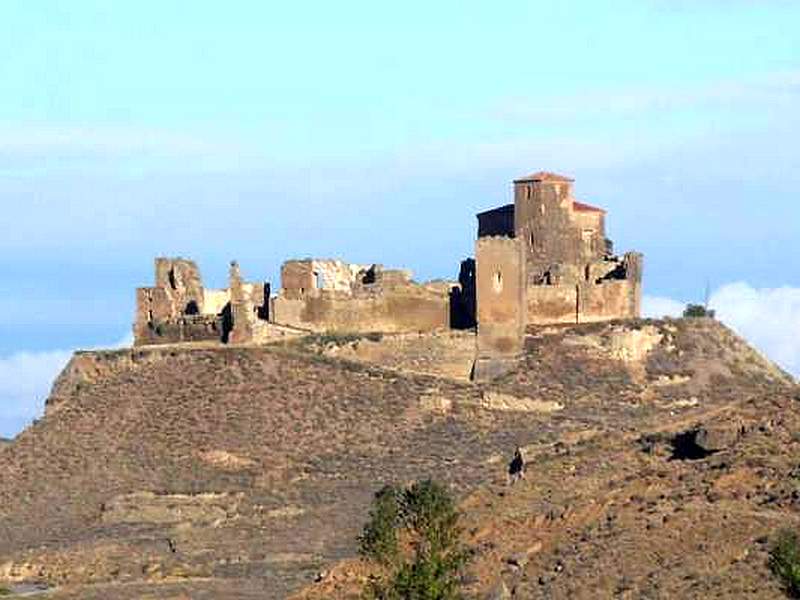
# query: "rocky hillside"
(662, 456)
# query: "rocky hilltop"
(662, 458)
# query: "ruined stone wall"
(179, 309)
(336, 274)
(394, 309)
(331, 295)
(613, 290)
(620, 292)
(178, 292)
(608, 300)
(548, 304)
(297, 278)
(181, 280)
(500, 295)
(300, 278)
(184, 328)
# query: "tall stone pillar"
(241, 309)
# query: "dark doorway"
(226, 322)
(262, 312)
(191, 308)
(463, 297)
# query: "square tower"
(559, 235)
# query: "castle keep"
(544, 259)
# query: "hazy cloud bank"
(769, 318)
(25, 382)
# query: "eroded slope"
(243, 472)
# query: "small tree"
(784, 561)
(697, 310)
(426, 517)
(379, 540)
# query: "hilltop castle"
(544, 259)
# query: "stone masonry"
(542, 260)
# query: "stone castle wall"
(542, 260)
(316, 295)
(327, 295)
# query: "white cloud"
(25, 382)
(769, 318)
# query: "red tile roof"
(581, 207)
(544, 176)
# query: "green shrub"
(424, 514)
(430, 511)
(378, 541)
(697, 310)
(784, 561)
(427, 577)
(4, 591)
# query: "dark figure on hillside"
(516, 468)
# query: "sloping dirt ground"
(245, 473)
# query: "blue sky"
(372, 132)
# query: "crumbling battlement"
(544, 259)
(330, 295)
(315, 295)
(179, 309)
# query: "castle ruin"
(542, 260)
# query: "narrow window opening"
(497, 282)
(588, 240)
